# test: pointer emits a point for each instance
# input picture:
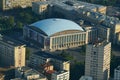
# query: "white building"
(117, 73)
(97, 62)
(61, 75)
(55, 34)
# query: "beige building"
(55, 34)
(61, 75)
(12, 52)
(39, 58)
(97, 62)
(10, 4)
(40, 7)
(2, 76)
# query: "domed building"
(55, 34)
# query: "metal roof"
(54, 25)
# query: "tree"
(27, 18)
(19, 25)
(11, 21)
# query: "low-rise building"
(40, 58)
(117, 73)
(28, 74)
(8, 4)
(61, 75)
(12, 52)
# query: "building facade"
(117, 73)
(91, 33)
(12, 53)
(55, 34)
(97, 62)
(61, 75)
(40, 58)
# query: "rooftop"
(10, 41)
(99, 42)
(70, 4)
(54, 25)
(60, 72)
(29, 71)
(48, 55)
(106, 20)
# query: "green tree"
(11, 21)
(19, 24)
(27, 18)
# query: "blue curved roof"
(54, 25)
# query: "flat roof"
(29, 71)
(60, 72)
(10, 41)
(49, 55)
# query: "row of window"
(69, 39)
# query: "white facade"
(86, 78)
(117, 73)
(97, 62)
(55, 34)
(62, 75)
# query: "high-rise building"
(117, 73)
(97, 63)
(12, 52)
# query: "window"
(94, 53)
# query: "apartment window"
(94, 53)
